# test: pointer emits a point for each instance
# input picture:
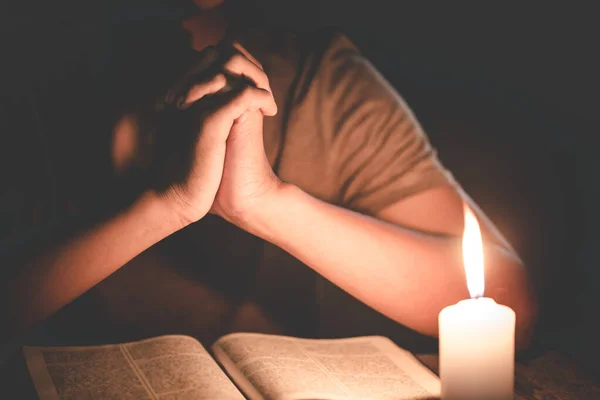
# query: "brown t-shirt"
(343, 135)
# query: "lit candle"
(477, 336)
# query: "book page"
(167, 368)
(285, 368)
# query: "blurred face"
(206, 27)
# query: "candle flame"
(472, 247)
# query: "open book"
(245, 365)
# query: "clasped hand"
(209, 153)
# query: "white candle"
(477, 336)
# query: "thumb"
(245, 142)
(247, 131)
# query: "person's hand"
(227, 154)
(247, 175)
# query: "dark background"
(508, 95)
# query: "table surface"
(550, 376)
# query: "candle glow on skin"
(477, 336)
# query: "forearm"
(62, 271)
(406, 275)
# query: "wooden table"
(550, 376)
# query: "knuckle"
(195, 89)
(219, 79)
(247, 93)
(234, 60)
(265, 96)
(263, 81)
(194, 93)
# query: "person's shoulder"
(319, 58)
(300, 48)
(329, 51)
(327, 45)
(341, 58)
(341, 47)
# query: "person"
(309, 175)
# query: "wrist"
(267, 215)
(158, 212)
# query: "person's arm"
(409, 273)
(401, 254)
(64, 270)
(44, 282)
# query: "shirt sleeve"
(380, 154)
